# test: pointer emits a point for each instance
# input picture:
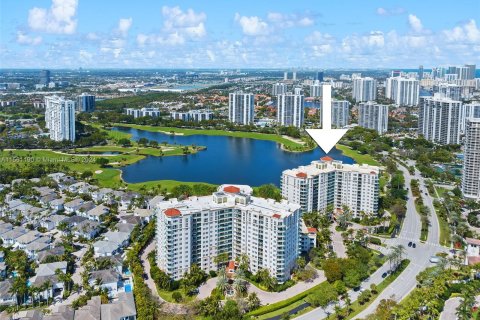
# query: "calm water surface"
(226, 160)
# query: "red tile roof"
(312, 230)
(326, 158)
(301, 175)
(172, 212)
(373, 172)
(276, 215)
(231, 265)
(231, 189)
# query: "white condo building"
(372, 115)
(231, 221)
(279, 88)
(340, 113)
(404, 91)
(471, 155)
(441, 119)
(192, 115)
(450, 90)
(241, 107)
(143, 112)
(316, 89)
(290, 108)
(328, 181)
(60, 118)
(364, 89)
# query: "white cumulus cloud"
(23, 38)
(124, 25)
(468, 32)
(252, 26)
(178, 27)
(415, 23)
(59, 18)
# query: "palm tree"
(47, 286)
(239, 283)
(222, 282)
(15, 289)
(253, 302)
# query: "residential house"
(62, 313)
(121, 309)
(7, 298)
(46, 272)
(145, 214)
(90, 311)
(56, 205)
(104, 248)
(9, 238)
(34, 248)
(74, 205)
(96, 214)
(23, 240)
(55, 251)
(52, 222)
(86, 229)
(108, 279)
(102, 194)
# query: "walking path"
(265, 296)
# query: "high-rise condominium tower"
(364, 89)
(372, 115)
(440, 119)
(86, 102)
(404, 91)
(290, 108)
(60, 118)
(241, 107)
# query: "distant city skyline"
(55, 34)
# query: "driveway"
(146, 269)
(265, 296)
(450, 309)
(337, 242)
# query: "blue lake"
(226, 160)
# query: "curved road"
(419, 258)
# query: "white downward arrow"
(326, 137)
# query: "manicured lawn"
(444, 231)
(167, 296)
(281, 311)
(108, 177)
(286, 305)
(358, 157)
(238, 134)
(160, 184)
(441, 191)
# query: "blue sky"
(238, 34)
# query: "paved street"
(419, 260)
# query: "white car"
(434, 259)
